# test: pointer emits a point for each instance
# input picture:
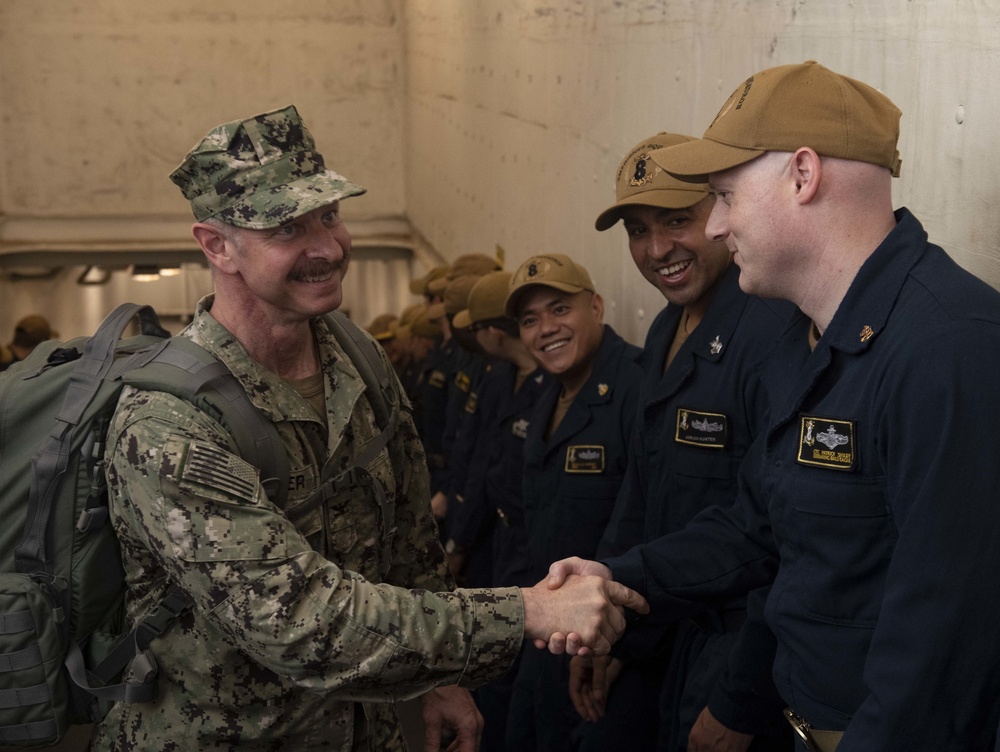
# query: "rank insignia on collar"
(701, 429)
(826, 442)
(520, 428)
(585, 458)
(602, 389)
(540, 378)
(715, 345)
(866, 333)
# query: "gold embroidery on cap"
(642, 174)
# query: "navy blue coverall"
(570, 485)
(871, 500)
(676, 470)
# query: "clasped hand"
(578, 609)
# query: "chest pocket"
(350, 518)
(847, 536)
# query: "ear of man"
(806, 168)
(215, 245)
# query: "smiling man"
(575, 455)
(308, 620)
(700, 406)
(870, 497)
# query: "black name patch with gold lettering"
(585, 458)
(826, 442)
(462, 381)
(436, 379)
(701, 429)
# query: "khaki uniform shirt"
(300, 637)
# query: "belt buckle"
(803, 729)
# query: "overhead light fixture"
(145, 272)
(169, 271)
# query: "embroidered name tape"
(702, 429)
(585, 458)
(826, 442)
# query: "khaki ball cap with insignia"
(549, 270)
(640, 181)
(785, 108)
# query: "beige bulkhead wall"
(520, 112)
(473, 123)
(101, 99)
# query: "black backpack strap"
(50, 463)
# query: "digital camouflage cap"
(259, 173)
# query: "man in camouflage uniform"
(301, 636)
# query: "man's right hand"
(590, 680)
(589, 611)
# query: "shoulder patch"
(202, 464)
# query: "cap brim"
(462, 320)
(268, 208)
(694, 161)
(667, 198)
(437, 286)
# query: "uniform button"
(777, 463)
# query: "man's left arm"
(933, 669)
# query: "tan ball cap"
(788, 107)
(641, 181)
(551, 270)
(486, 299)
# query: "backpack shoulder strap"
(187, 370)
(361, 351)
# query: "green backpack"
(66, 651)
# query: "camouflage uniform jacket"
(300, 637)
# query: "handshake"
(578, 609)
